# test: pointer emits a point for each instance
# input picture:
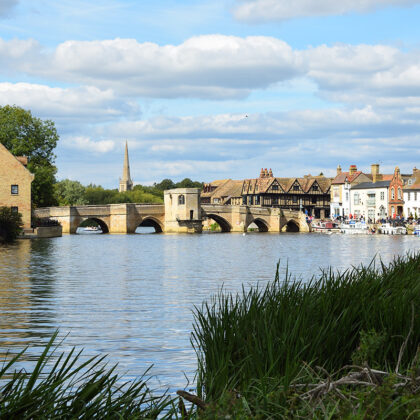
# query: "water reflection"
(131, 296)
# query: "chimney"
(352, 170)
(262, 173)
(338, 170)
(374, 170)
(414, 170)
(265, 173)
(23, 160)
(270, 173)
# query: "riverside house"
(412, 195)
(15, 184)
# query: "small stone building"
(15, 184)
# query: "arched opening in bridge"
(92, 226)
(258, 224)
(215, 223)
(149, 225)
(292, 226)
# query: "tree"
(10, 224)
(25, 135)
(188, 183)
(70, 193)
(166, 184)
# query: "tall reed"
(265, 334)
(66, 387)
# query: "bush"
(10, 224)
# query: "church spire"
(126, 184)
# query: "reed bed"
(66, 387)
(263, 342)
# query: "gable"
(10, 166)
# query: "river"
(132, 296)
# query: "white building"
(412, 196)
(340, 204)
(370, 200)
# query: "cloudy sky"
(217, 89)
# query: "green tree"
(70, 193)
(10, 224)
(188, 183)
(165, 184)
(25, 135)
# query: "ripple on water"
(132, 296)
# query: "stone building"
(15, 184)
(126, 184)
(226, 191)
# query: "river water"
(132, 296)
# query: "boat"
(389, 229)
(92, 229)
(355, 228)
(416, 231)
(325, 227)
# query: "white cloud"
(6, 6)
(86, 144)
(208, 66)
(277, 10)
(85, 103)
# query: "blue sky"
(211, 90)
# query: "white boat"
(388, 229)
(327, 227)
(416, 230)
(355, 228)
(92, 229)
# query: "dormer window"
(295, 187)
(315, 187)
(275, 187)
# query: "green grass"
(257, 344)
(66, 387)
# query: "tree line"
(69, 193)
(26, 135)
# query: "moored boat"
(389, 229)
(355, 228)
(325, 227)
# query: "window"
(313, 200)
(14, 189)
(275, 200)
(392, 193)
(399, 193)
(181, 199)
(14, 210)
(336, 192)
(191, 214)
(275, 187)
(294, 199)
(315, 187)
(244, 200)
(408, 196)
(392, 211)
(415, 196)
(382, 195)
(347, 196)
(356, 198)
(295, 187)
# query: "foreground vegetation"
(343, 346)
(279, 351)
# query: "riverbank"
(282, 350)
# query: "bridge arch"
(292, 226)
(104, 227)
(222, 222)
(150, 221)
(262, 225)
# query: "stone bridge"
(182, 212)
